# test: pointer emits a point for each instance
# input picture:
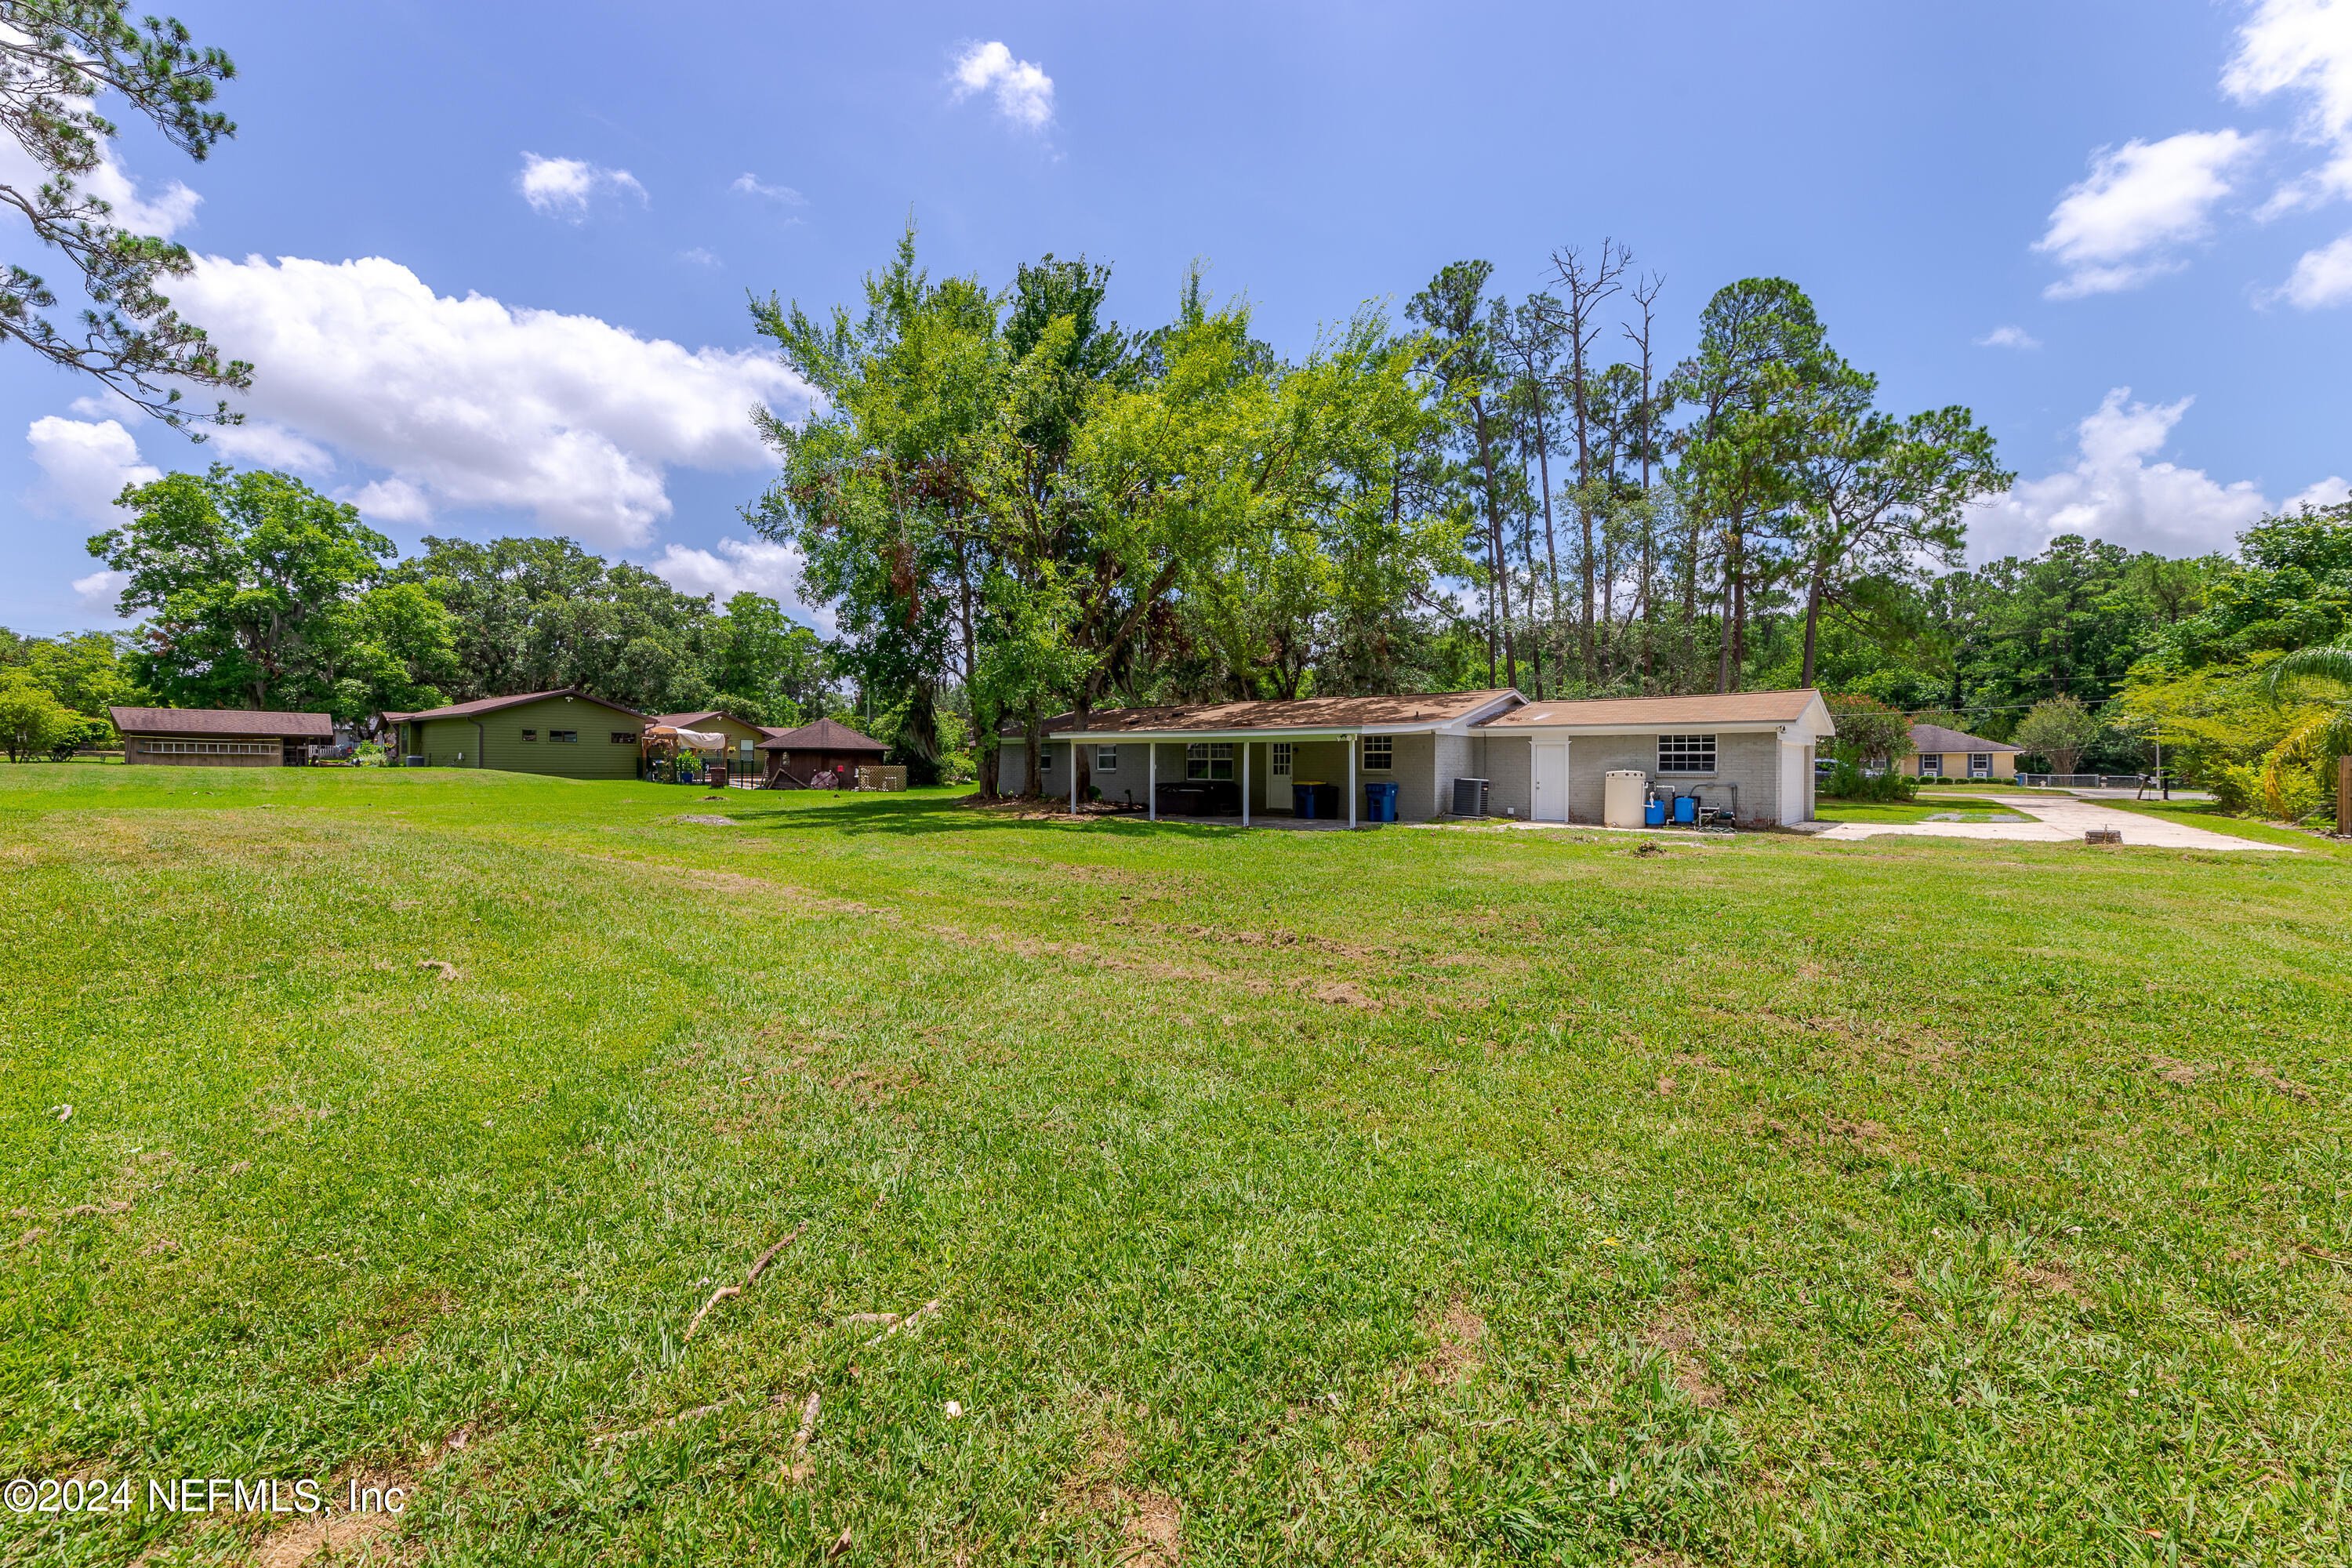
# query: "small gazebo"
(823, 751)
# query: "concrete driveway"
(2057, 820)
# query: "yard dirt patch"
(1459, 1354)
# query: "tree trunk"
(1498, 598)
(1812, 620)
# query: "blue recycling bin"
(1304, 798)
(1380, 802)
(1685, 811)
(1653, 814)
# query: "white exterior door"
(1793, 784)
(1277, 775)
(1550, 781)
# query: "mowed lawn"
(1398, 1196)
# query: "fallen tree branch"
(749, 1279)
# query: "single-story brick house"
(219, 737)
(1750, 752)
(565, 733)
(1940, 753)
(743, 737)
(797, 757)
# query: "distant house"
(219, 737)
(1940, 753)
(798, 757)
(566, 732)
(743, 737)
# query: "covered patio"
(1303, 763)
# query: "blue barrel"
(1380, 802)
(1655, 814)
(1303, 801)
(1687, 809)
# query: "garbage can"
(1306, 800)
(1380, 802)
(1621, 793)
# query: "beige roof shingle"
(1305, 713)
(1647, 712)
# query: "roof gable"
(825, 736)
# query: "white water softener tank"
(1622, 793)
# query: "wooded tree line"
(1016, 505)
(255, 591)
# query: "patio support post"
(1355, 745)
(1152, 780)
(1246, 751)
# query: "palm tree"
(2325, 667)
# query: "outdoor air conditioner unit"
(412, 762)
(1469, 797)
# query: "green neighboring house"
(568, 734)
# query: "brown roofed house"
(822, 755)
(219, 737)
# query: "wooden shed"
(219, 737)
(799, 758)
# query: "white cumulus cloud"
(750, 185)
(2009, 337)
(2119, 227)
(741, 566)
(2321, 278)
(162, 213)
(1024, 93)
(472, 403)
(100, 592)
(84, 465)
(2114, 492)
(563, 187)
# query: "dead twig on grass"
(797, 1469)
(666, 1421)
(2324, 1256)
(929, 1308)
(749, 1280)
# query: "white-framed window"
(1278, 758)
(1686, 754)
(1980, 764)
(1106, 759)
(1209, 760)
(210, 748)
(1931, 764)
(1379, 753)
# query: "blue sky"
(501, 253)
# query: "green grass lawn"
(1403, 1197)
(1830, 808)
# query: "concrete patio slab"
(2058, 821)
